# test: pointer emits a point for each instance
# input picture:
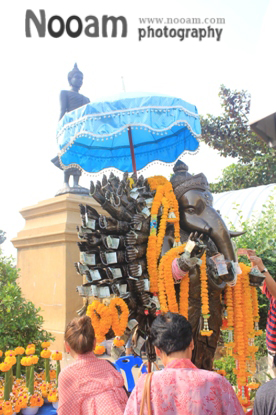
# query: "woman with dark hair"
(89, 386)
(181, 388)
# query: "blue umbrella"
(127, 134)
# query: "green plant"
(227, 363)
(261, 236)
(20, 321)
(260, 341)
(231, 135)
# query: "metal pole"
(132, 150)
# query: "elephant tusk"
(234, 234)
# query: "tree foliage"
(231, 135)
(260, 171)
(20, 321)
(261, 236)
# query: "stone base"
(47, 250)
(77, 190)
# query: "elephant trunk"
(220, 234)
(211, 223)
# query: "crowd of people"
(92, 386)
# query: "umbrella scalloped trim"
(120, 172)
(120, 112)
(101, 137)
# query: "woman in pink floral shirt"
(181, 388)
(89, 386)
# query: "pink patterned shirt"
(91, 386)
(183, 389)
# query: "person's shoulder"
(209, 374)
(214, 377)
(68, 370)
(266, 387)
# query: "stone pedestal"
(47, 249)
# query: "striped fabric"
(271, 321)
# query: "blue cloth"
(47, 409)
(95, 136)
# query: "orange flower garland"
(250, 349)
(165, 276)
(204, 298)
(230, 319)
(164, 196)
(241, 300)
(162, 227)
(240, 354)
(119, 323)
(152, 256)
(255, 305)
(101, 321)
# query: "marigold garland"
(101, 319)
(230, 319)
(119, 322)
(166, 294)
(255, 305)
(204, 298)
(165, 197)
(165, 274)
(241, 301)
(162, 226)
(99, 349)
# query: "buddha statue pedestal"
(46, 252)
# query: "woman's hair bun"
(80, 335)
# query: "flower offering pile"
(21, 387)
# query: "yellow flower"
(19, 350)
(53, 374)
(57, 356)
(26, 361)
(30, 350)
(44, 345)
(53, 396)
(11, 360)
(45, 354)
(7, 408)
(4, 367)
(35, 359)
(30, 346)
(9, 353)
(1, 353)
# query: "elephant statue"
(198, 215)
(113, 251)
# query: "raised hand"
(199, 245)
